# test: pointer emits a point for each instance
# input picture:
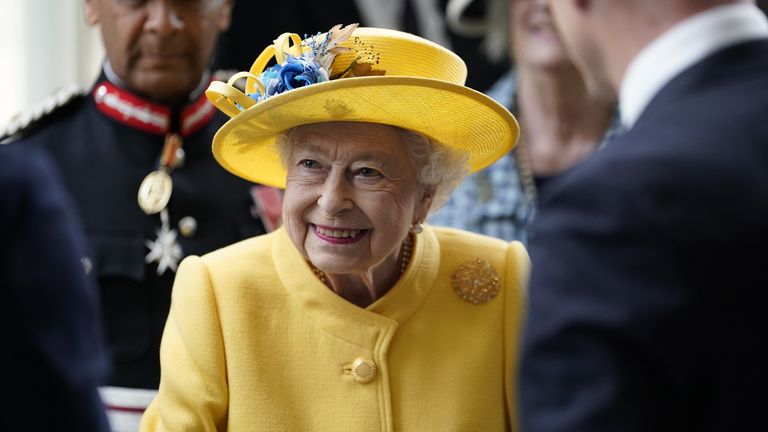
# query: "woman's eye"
(309, 163)
(368, 172)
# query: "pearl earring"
(417, 228)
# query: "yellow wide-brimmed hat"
(355, 74)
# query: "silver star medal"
(165, 251)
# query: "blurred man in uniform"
(135, 151)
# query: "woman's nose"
(335, 195)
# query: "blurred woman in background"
(562, 123)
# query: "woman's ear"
(422, 207)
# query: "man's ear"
(91, 12)
(225, 14)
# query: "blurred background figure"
(561, 124)
(53, 349)
(255, 25)
(648, 291)
(135, 152)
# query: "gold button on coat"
(363, 370)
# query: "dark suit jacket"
(53, 353)
(650, 268)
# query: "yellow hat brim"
(451, 114)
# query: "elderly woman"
(353, 316)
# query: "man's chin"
(597, 81)
(169, 85)
(601, 89)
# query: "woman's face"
(535, 41)
(351, 195)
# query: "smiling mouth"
(339, 235)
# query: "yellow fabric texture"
(255, 342)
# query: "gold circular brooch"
(476, 282)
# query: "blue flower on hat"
(294, 73)
(312, 64)
(299, 73)
(272, 85)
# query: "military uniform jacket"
(105, 143)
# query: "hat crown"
(402, 54)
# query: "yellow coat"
(255, 342)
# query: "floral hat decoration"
(358, 74)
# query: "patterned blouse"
(498, 201)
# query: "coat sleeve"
(518, 268)
(193, 394)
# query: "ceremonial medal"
(155, 191)
(154, 195)
(164, 250)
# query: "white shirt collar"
(681, 47)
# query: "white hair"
(440, 168)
